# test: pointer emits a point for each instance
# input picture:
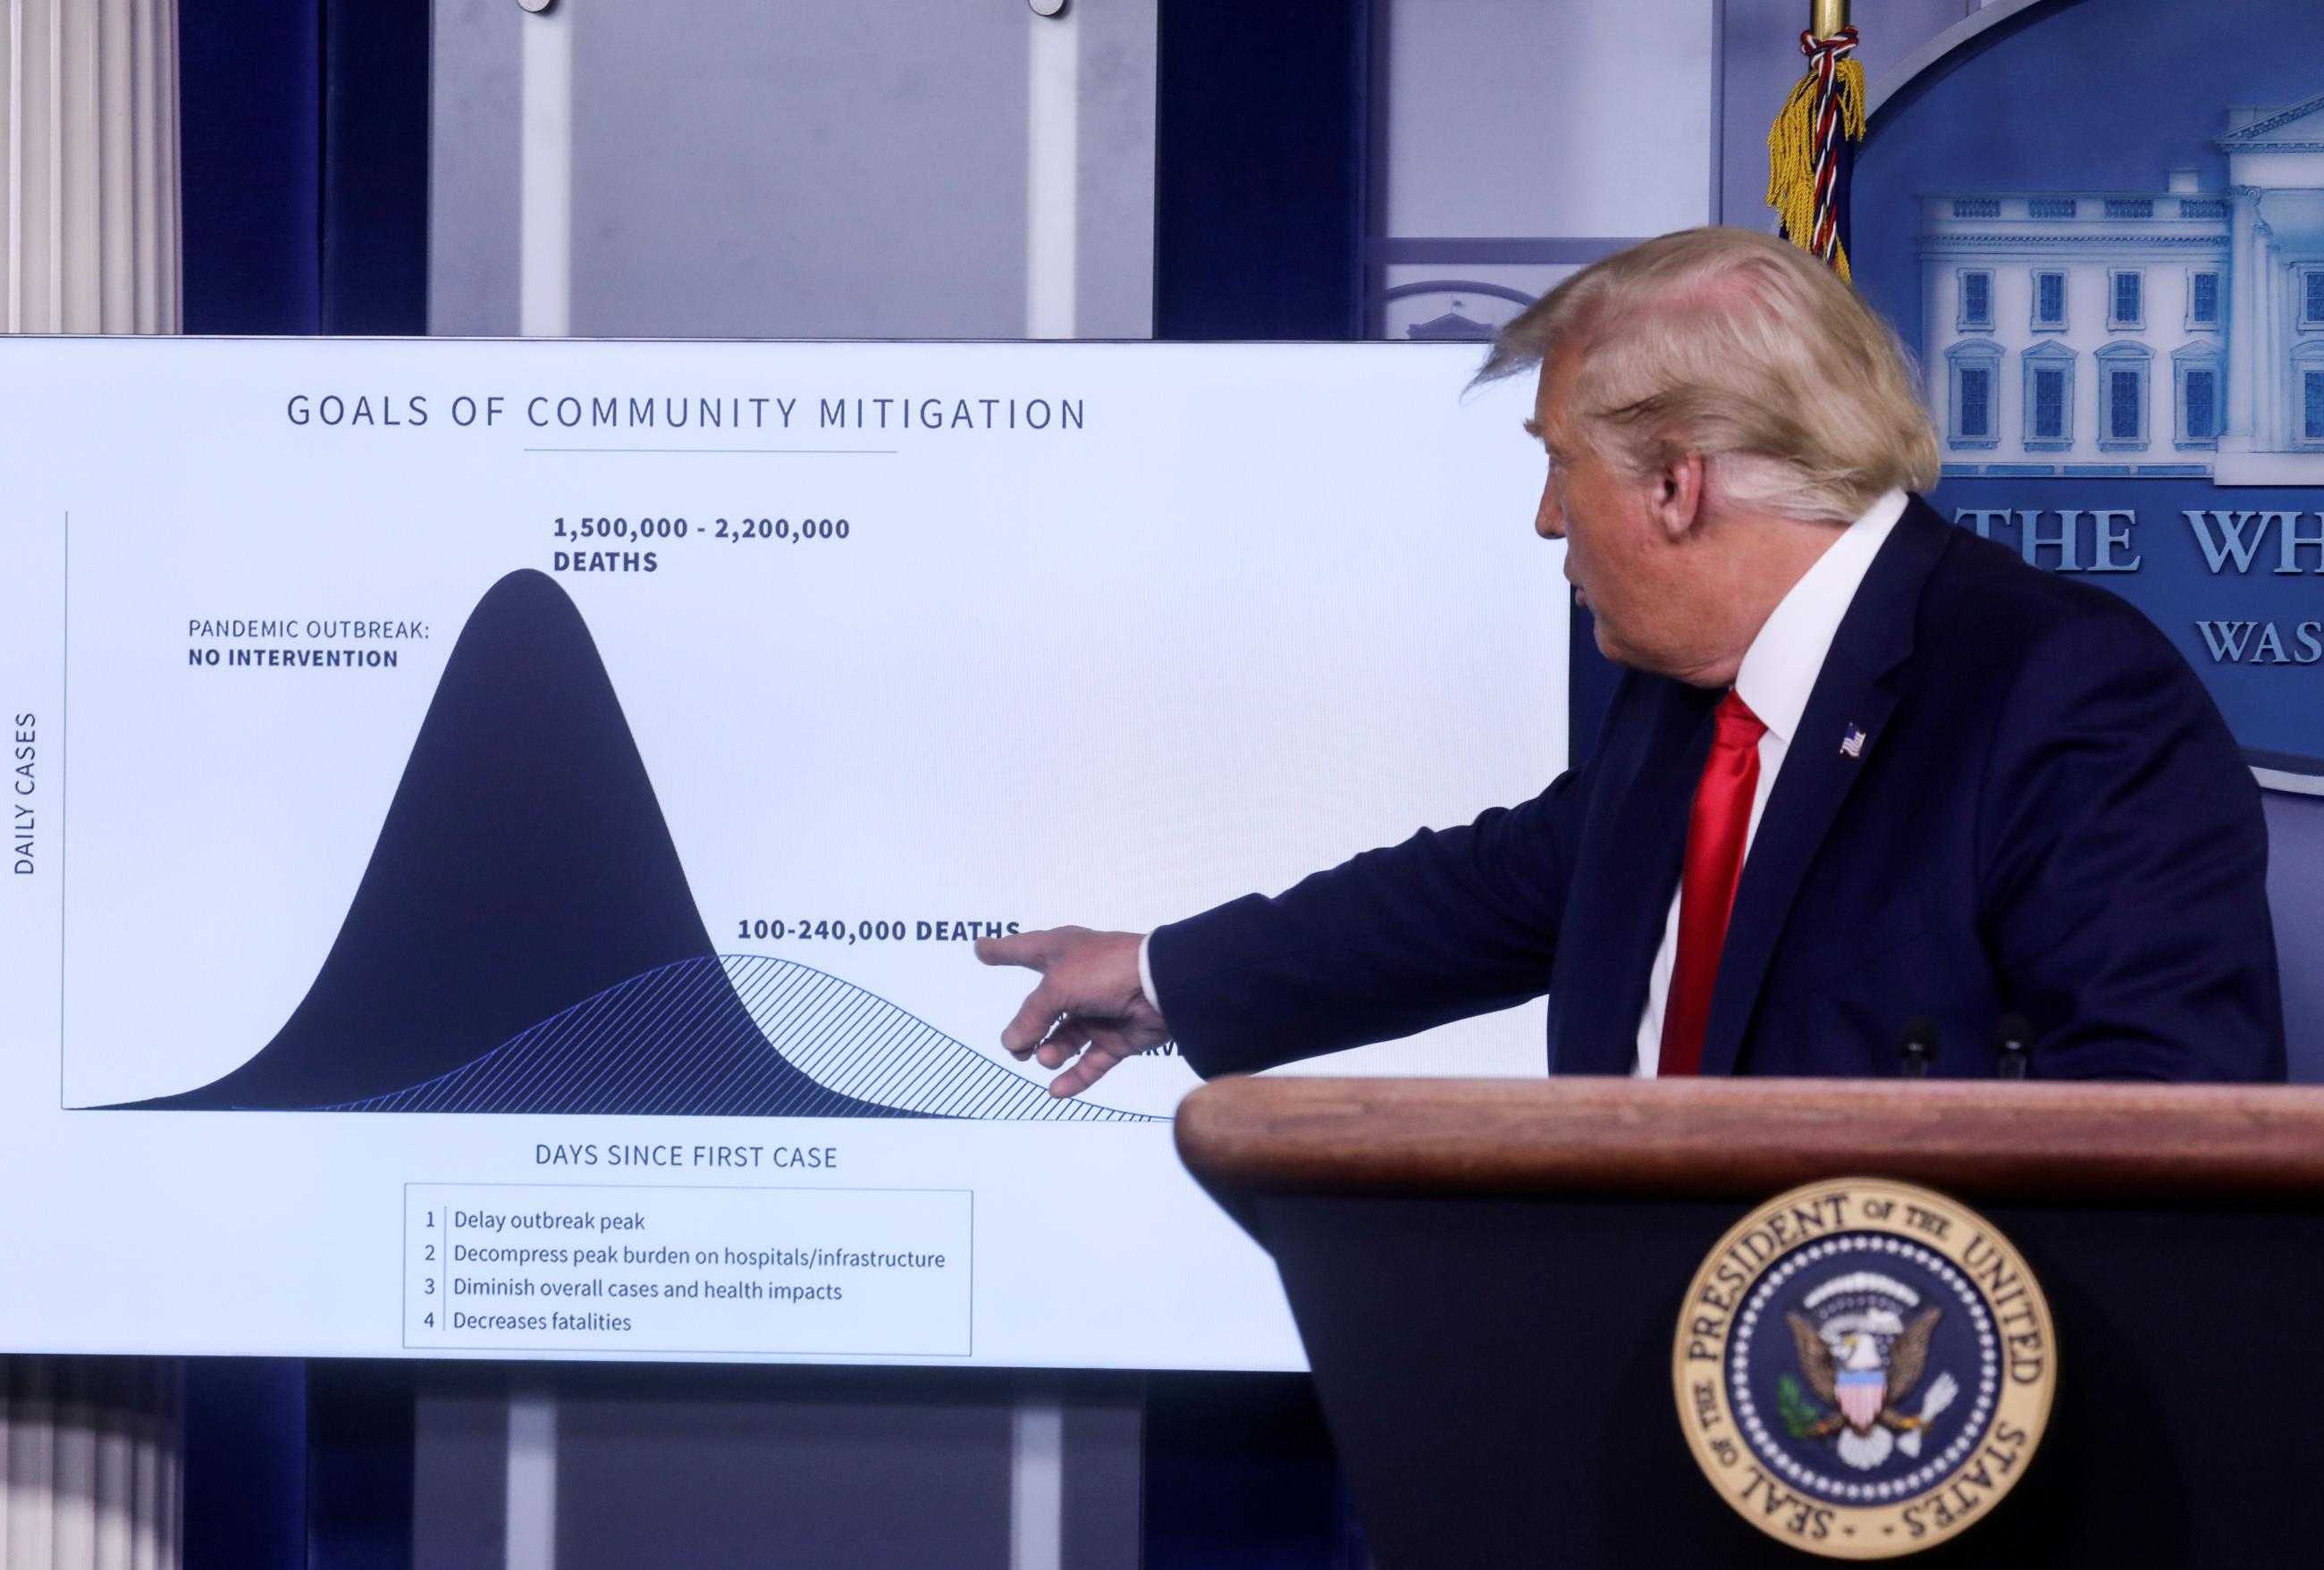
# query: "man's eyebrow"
(1533, 428)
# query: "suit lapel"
(1852, 694)
(1621, 893)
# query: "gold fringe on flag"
(1792, 154)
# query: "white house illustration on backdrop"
(2178, 332)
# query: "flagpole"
(1826, 17)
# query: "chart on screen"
(499, 829)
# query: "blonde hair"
(1740, 347)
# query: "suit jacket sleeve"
(2125, 856)
(1448, 923)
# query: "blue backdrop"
(2104, 98)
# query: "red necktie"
(1715, 832)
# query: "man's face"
(1614, 551)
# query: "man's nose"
(1549, 521)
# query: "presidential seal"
(1864, 1368)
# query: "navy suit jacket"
(2047, 815)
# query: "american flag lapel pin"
(1852, 744)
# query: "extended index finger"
(1034, 950)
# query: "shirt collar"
(1779, 670)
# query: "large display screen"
(498, 831)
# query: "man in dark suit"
(1864, 767)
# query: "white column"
(90, 1452)
(2270, 428)
(1036, 1482)
(89, 1463)
(529, 1533)
(88, 156)
(1053, 175)
(2244, 349)
(544, 216)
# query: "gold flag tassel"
(1803, 201)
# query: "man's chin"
(1614, 649)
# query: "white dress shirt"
(1778, 673)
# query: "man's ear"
(1675, 497)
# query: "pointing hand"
(1090, 1010)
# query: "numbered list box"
(705, 1271)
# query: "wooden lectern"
(1489, 1276)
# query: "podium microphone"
(1918, 1047)
(2012, 1037)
